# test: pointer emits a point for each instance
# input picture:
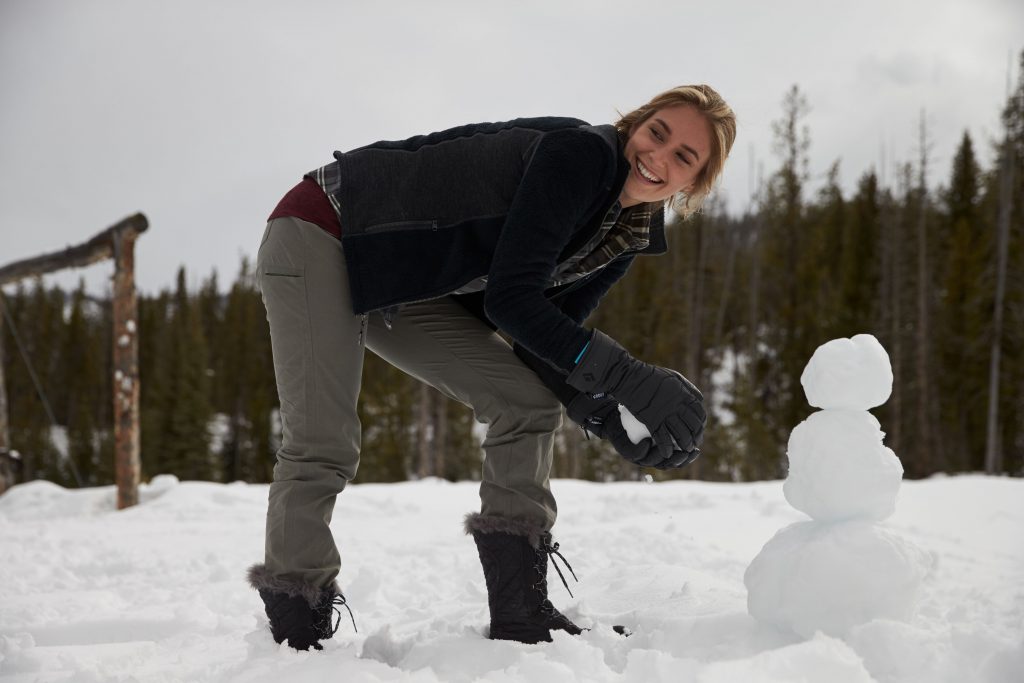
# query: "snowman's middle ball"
(839, 468)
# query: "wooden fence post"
(126, 371)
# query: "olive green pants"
(318, 345)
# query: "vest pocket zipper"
(362, 327)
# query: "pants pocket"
(274, 270)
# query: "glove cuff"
(592, 372)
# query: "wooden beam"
(96, 249)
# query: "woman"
(420, 250)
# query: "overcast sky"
(202, 113)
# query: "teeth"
(645, 173)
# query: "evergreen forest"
(929, 260)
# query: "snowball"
(635, 429)
(848, 373)
(839, 468)
(814, 576)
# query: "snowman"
(842, 569)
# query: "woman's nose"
(659, 161)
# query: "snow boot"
(514, 554)
(299, 613)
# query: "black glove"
(664, 400)
(600, 416)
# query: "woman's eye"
(656, 133)
(683, 159)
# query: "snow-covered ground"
(156, 593)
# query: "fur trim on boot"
(514, 526)
(260, 578)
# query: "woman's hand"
(601, 417)
(664, 400)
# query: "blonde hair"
(723, 134)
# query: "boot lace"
(334, 620)
(551, 550)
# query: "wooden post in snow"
(117, 242)
(126, 370)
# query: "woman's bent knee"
(313, 464)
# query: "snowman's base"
(831, 576)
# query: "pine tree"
(103, 332)
(446, 446)
(186, 409)
(387, 414)
(208, 304)
(154, 330)
(774, 372)
(38, 318)
(859, 271)
(245, 382)
(80, 375)
(1005, 204)
(963, 333)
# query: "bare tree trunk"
(440, 433)
(693, 346)
(924, 435)
(891, 315)
(694, 349)
(993, 451)
(235, 465)
(717, 341)
(754, 309)
(723, 303)
(570, 438)
(424, 433)
(928, 444)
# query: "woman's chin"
(646, 193)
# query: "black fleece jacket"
(424, 217)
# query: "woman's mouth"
(645, 174)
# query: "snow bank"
(156, 593)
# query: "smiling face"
(666, 153)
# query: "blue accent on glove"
(585, 347)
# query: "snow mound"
(851, 374)
(813, 576)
